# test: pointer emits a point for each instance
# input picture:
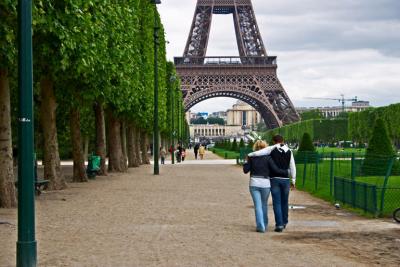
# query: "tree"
(250, 144)
(234, 146)
(311, 115)
(241, 144)
(306, 151)
(199, 120)
(306, 143)
(379, 152)
(215, 120)
(8, 25)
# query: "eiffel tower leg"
(196, 45)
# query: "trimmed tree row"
(93, 87)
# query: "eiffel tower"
(251, 77)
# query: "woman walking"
(260, 186)
(202, 151)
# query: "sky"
(324, 48)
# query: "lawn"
(317, 180)
(226, 154)
(340, 150)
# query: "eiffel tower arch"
(251, 77)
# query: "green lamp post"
(156, 145)
(26, 243)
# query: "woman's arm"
(247, 166)
(282, 172)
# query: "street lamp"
(26, 244)
(172, 81)
(156, 146)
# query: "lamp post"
(26, 244)
(156, 145)
(172, 80)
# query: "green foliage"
(311, 115)
(215, 120)
(209, 120)
(241, 143)
(306, 151)
(199, 120)
(99, 51)
(234, 146)
(8, 34)
(380, 143)
(360, 123)
(379, 152)
(174, 96)
(306, 143)
(250, 144)
(322, 130)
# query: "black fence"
(357, 194)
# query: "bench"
(40, 185)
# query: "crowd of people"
(179, 152)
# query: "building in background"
(331, 112)
(238, 120)
(242, 114)
(214, 131)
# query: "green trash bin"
(93, 166)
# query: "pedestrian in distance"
(183, 154)
(202, 151)
(171, 150)
(280, 184)
(260, 169)
(196, 150)
(179, 153)
(163, 153)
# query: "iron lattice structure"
(251, 77)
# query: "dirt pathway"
(192, 215)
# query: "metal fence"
(356, 194)
(316, 174)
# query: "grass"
(340, 150)
(323, 186)
(226, 154)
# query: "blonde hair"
(259, 144)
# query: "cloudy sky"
(325, 48)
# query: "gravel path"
(192, 215)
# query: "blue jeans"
(280, 199)
(260, 200)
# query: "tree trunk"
(51, 158)
(132, 156)
(124, 159)
(144, 147)
(7, 188)
(86, 147)
(100, 137)
(115, 144)
(77, 152)
(136, 140)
